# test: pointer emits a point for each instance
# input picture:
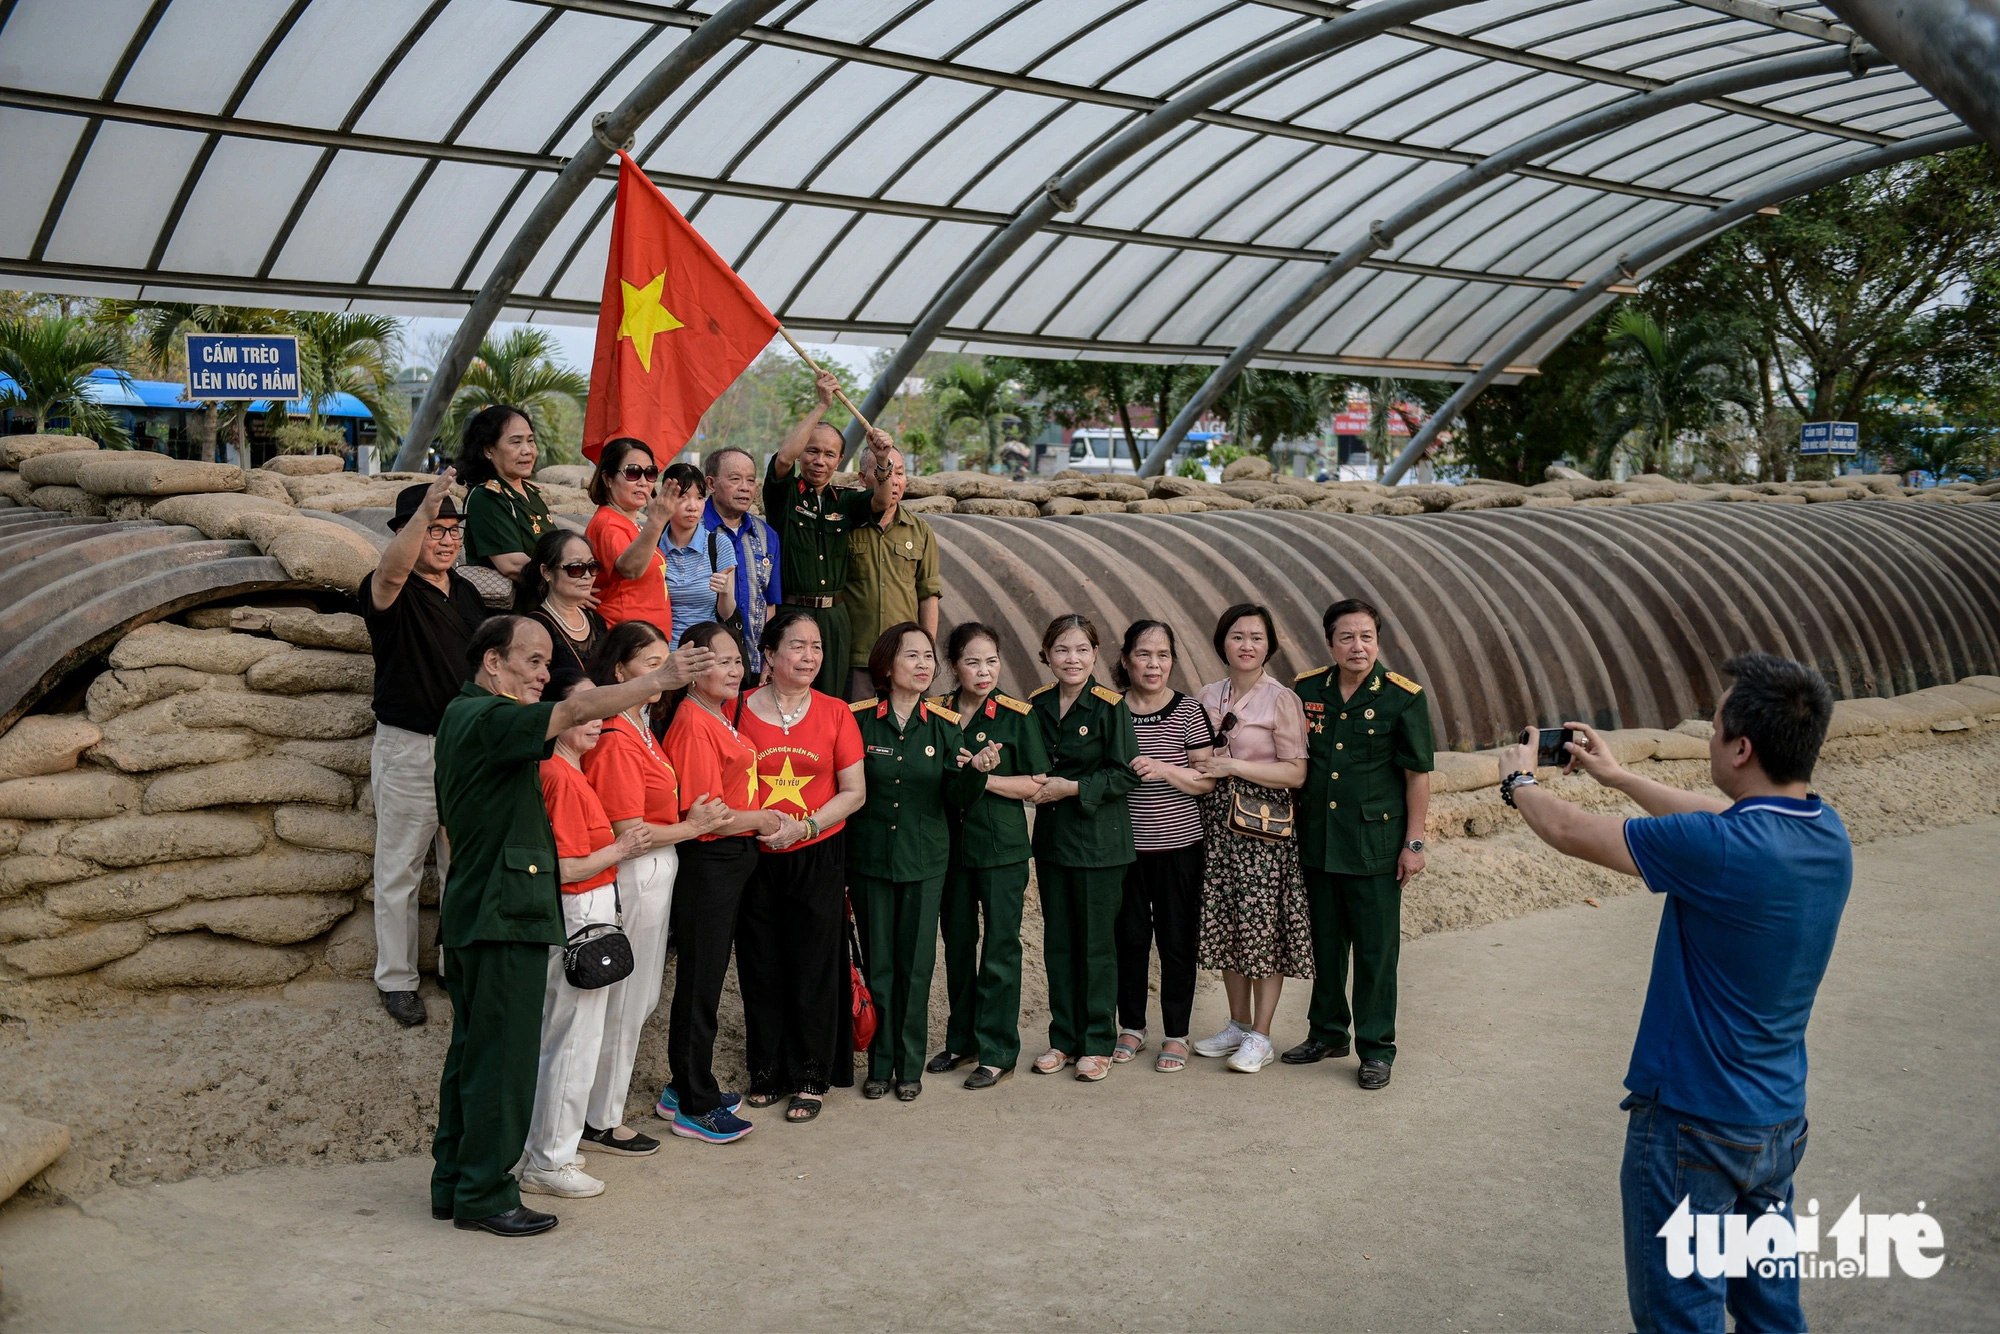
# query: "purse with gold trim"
(1256, 816)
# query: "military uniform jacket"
(1352, 811)
(812, 528)
(900, 832)
(503, 884)
(1094, 745)
(500, 520)
(993, 831)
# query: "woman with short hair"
(1254, 921)
(701, 564)
(632, 512)
(557, 589)
(1083, 843)
(505, 513)
(791, 931)
(1163, 884)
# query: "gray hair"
(713, 463)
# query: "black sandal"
(762, 1099)
(802, 1108)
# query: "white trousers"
(572, 1035)
(402, 777)
(646, 889)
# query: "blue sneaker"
(720, 1126)
(669, 1105)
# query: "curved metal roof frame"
(380, 154)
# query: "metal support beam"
(1629, 265)
(1951, 47)
(1383, 234)
(615, 127)
(1062, 192)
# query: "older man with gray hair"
(892, 560)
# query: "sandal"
(1092, 1068)
(1051, 1061)
(1130, 1043)
(802, 1108)
(762, 1099)
(1170, 1060)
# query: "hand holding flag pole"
(840, 394)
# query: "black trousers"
(791, 959)
(487, 1093)
(1162, 903)
(707, 893)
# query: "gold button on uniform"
(1338, 746)
(1335, 777)
(532, 868)
(1333, 805)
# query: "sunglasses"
(581, 569)
(632, 472)
(1228, 723)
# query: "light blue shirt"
(688, 571)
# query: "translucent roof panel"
(854, 157)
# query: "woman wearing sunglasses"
(557, 589)
(624, 534)
(1254, 922)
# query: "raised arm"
(400, 556)
(634, 559)
(1590, 754)
(683, 666)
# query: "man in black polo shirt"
(421, 614)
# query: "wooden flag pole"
(840, 394)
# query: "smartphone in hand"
(1552, 746)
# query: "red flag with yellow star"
(676, 326)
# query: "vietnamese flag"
(675, 329)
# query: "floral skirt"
(1254, 919)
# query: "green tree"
(341, 352)
(1512, 433)
(978, 393)
(50, 359)
(1263, 407)
(1657, 383)
(521, 370)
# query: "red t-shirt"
(712, 760)
(579, 822)
(620, 599)
(631, 776)
(797, 772)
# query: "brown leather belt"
(806, 600)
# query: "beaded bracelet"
(1519, 778)
(812, 828)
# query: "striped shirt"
(1163, 816)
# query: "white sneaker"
(1228, 1040)
(1253, 1055)
(569, 1181)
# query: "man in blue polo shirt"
(1755, 883)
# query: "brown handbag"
(1259, 817)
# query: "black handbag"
(598, 953)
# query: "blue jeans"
(1718, 1169)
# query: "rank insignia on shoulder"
(936, 701)
(946, 714)
(1039, 691)
(863, 705)
(1307, 676)
(1007, 702)
(1405, 682)
(1105, 693)
(493, 486)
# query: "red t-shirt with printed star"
(712, 760)
(798, 770)
(631, 776)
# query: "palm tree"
(521, 369)
(1264, 407)
(50, 359)
(345, 353)
(971, 392)
(162, 325)
(1660, 382)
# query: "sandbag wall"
(1618, 616)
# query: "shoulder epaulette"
(493, 485)
(1008, 702)
(1405, 682)
(936, 701)
(1039, 691)
(1307, 676)
(946, 714)
(860, 705)
(1107, 694)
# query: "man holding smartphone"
(1755, 881)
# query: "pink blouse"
(1270, 721)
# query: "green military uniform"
(502, 911)
(889, 571)
(989, 878)
(1352, 820)
(500, 520)
(898, 847)
(1082, 846)
(812, 528)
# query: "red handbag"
(864, 1014)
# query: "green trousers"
(982, 974)
(898, 921)
(1362, 913)
(487, 1094)
(1079, 944)
(835, 635)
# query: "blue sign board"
(1829, 438)
(242, 366)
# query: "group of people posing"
(622, 754)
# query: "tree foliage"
(521, 369)
(1657, 383)
(50, 360)
(341, 352)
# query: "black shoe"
(405, 1007)
(945, 1062)
(638, 1146)
(520, 1221)
(875, 1088)
(1374, 1074)
(986, 1076)
(1311, 1052)
(908, 1092)
(442, 1213)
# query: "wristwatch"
(1415, 845)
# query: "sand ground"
(1478, 1192)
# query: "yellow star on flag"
(645, 317)
(786, 786)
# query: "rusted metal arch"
(608, 130)
(1383, 235)
(1628, 267)
(1951, 47)
(1061, 193)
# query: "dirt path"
(1478, 1192)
